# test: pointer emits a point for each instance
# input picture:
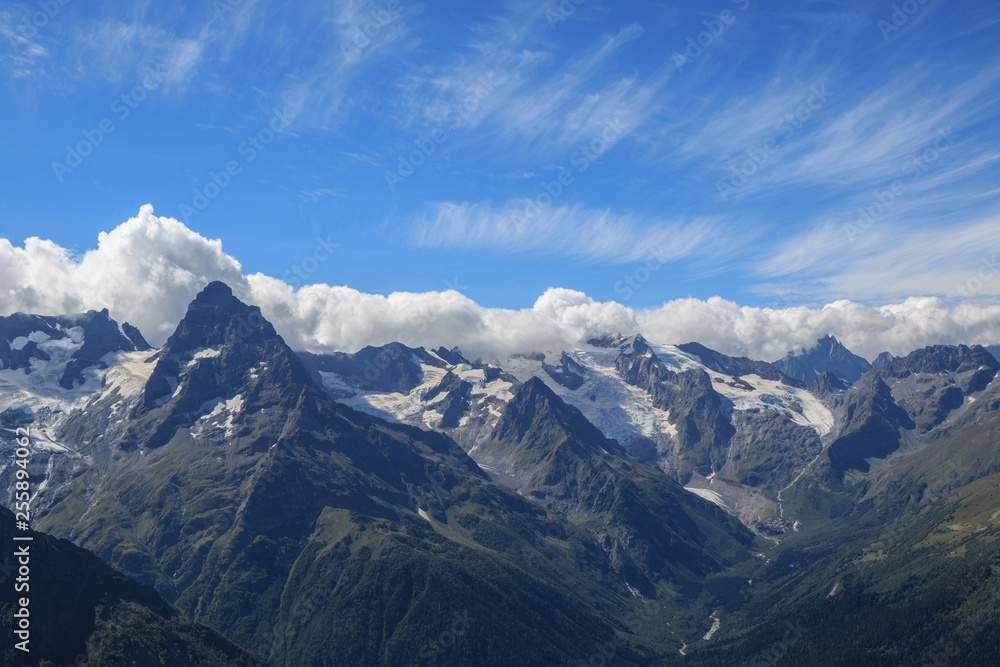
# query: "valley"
(668, 503)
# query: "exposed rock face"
(871, 427)
(827, 355)
(768, 449)
(827, 385)
(647, 524)
(453, 356)
(568, 373)
(80, 342)
(737, 366)
(389, 368)
(882, 360)
(933, 382)
(536, 415)
(455, 400)
(974, 366)
(223, 351)
(689, 397)
(221, 473)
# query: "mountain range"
(620, 501)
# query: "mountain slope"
(920, 589)
(688, 396)
(902, 553)
(219, 470)
(737, 366)
(239, 489)
(651, 528)
(81, 609)
(665, 413)
(871, 428)
(904, 429)
(932, 382)
(828, 354)
(77, 342)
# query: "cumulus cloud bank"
(148, 269)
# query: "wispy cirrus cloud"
(350, 39)
(891, 261)
(597, 235)
(545, 101)
(849, 114)
(23, 52)
(118, 51)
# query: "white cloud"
(527, 225)
(145, 271)
(119, 50)
(543, 101)
(769, 333)
(21, 60)
(148, 269)
(883, 260)
(350, 37)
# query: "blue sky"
(635, 151)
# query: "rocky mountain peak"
(635, 346)
(221, 349)
(943, 359)
(72, 343)
(216, 317)
(828, 354)
(453, 356)
(736, 366)
(826, 384)
(882, 360)
(994, 350)
(535, 406)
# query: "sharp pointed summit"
(216, 317)
(535, 406)
(828, 354)
(223, 351)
